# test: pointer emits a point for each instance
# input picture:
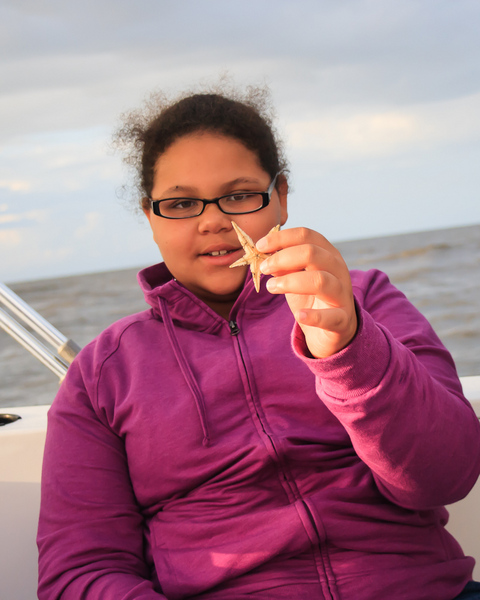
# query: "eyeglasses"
(238, 203)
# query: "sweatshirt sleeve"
(90, 535)
(396, 391)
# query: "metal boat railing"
(59, 351)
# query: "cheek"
(160, 241)
(161, 234)
(280, 214)
(172, 245)
(157, 237)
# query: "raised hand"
(316, 282)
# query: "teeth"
(219, 253)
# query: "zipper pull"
(234, 329)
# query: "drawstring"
(185, 368)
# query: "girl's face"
(205, 165)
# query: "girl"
(297, 443)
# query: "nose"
(213, 220)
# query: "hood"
(188, 311)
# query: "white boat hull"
(21, 452)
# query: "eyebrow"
(226, 186)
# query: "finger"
(299, 258)
(320, 284)
(297, 236)
(328, 319)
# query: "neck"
(221, 308)
(222, 305)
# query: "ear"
(282, 190)
(147, 211)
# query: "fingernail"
(264, 267)
(301, 316)
(271, 285)
(261, 244)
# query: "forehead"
(205, 153)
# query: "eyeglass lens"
(180, 208)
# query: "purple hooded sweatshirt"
(192, 457)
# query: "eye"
(239, 197)
(180, 207)
(180, 204)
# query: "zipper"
(320, 545)
(234, 328)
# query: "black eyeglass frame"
(265, 202)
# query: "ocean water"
(439, 271)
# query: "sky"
(377, 101)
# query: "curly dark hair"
(146, 134)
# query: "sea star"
(252, 256)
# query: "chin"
(224, 291)
(224, 294)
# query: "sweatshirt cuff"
(356, 369)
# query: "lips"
(220, 255)
(219, 250)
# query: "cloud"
(357, 136)
(15, 185)
(358, 85)
(92, 223)
(9, 239)
(9, 218)
(35, 246)
(346, 136)
(57, 162)
(71, 65)
(74, 240)
(37, 216)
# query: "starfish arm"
(244, 239)
(255, 269)
(252, 256)
(241, 262)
